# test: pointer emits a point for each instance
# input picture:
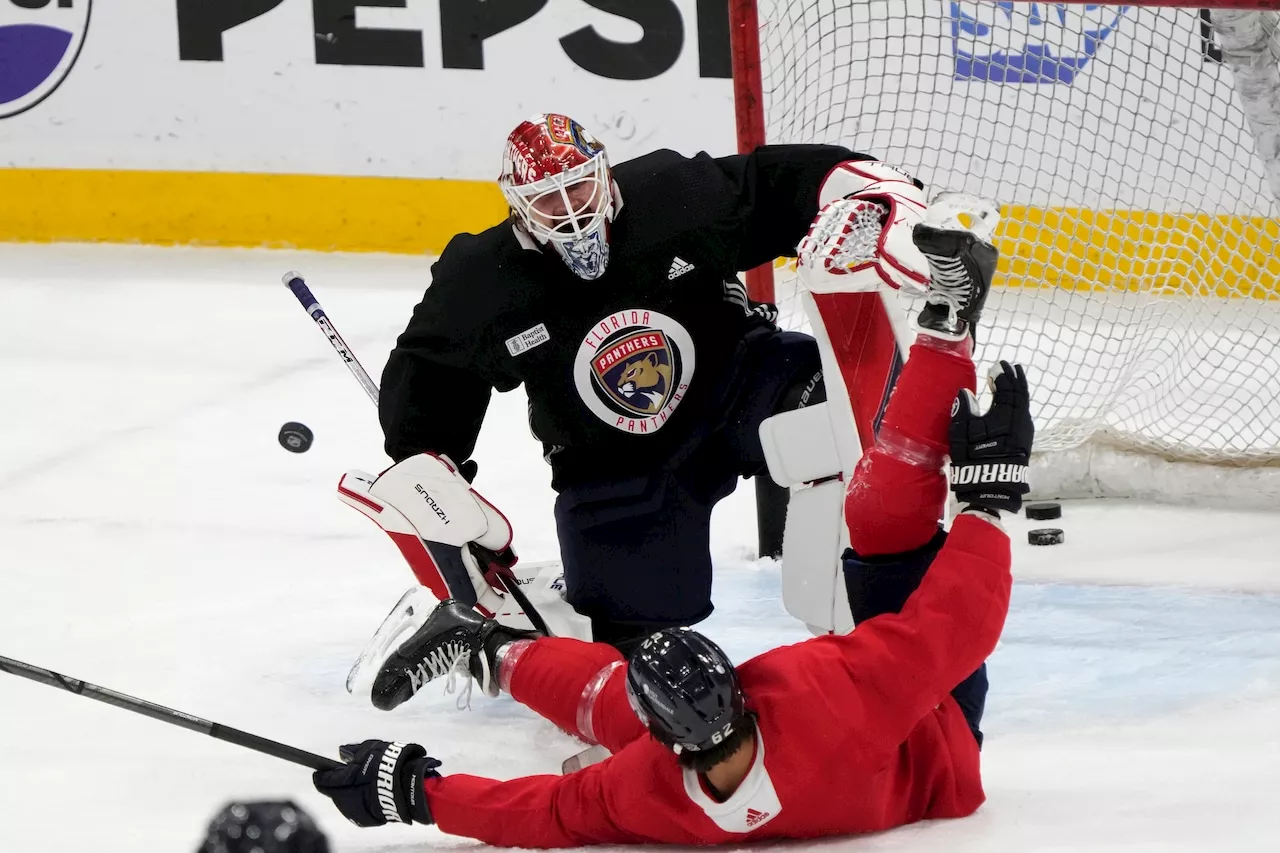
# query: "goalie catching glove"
(457, 543)
(861, 237)
(990, 453)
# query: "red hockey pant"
(581, 687)
(895, 499)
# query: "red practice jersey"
(856, 733)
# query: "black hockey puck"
(295, 437)
(1044, 511)
(1045, 536)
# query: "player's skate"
(453, 639)
(961, 266)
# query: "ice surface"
(158, 541)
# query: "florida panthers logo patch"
(633, 369)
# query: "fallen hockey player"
(837, 735)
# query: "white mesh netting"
(1139, 274)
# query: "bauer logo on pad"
(38, 47)
(1009, 42)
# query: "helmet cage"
(572, 205)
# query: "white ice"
(157, 540)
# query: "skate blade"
(408, 615)
(590, 755)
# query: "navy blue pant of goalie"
(637, 552)
(883, 584)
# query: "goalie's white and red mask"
(556, 178)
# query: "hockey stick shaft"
(167, 715)
(298, 286)
(512, 586)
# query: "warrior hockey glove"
(990, 452)
(381, 783)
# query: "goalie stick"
(293, 281)
(168, 715)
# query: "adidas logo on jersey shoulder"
(678, 268)
(754, 817)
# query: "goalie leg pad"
(814, 537)
(543, 584)
(800, 445)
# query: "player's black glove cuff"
(990, 453)
(381, 783)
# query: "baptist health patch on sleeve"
(528, 339)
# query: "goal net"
(1135, 154)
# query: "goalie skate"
(589, 756)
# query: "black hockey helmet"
(268, 827)
(685, 689)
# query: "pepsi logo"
(40, 41)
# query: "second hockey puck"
(1045, 536)
(295, 437)
(1044, 511)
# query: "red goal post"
(1135, 153)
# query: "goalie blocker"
(458, 545)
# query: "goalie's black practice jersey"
(622, 371)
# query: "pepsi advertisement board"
(381, 87)
(40, 41)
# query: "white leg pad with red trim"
(813, 540)
(859, 345)
(543, 584)
(800, 445)
(800, 449)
